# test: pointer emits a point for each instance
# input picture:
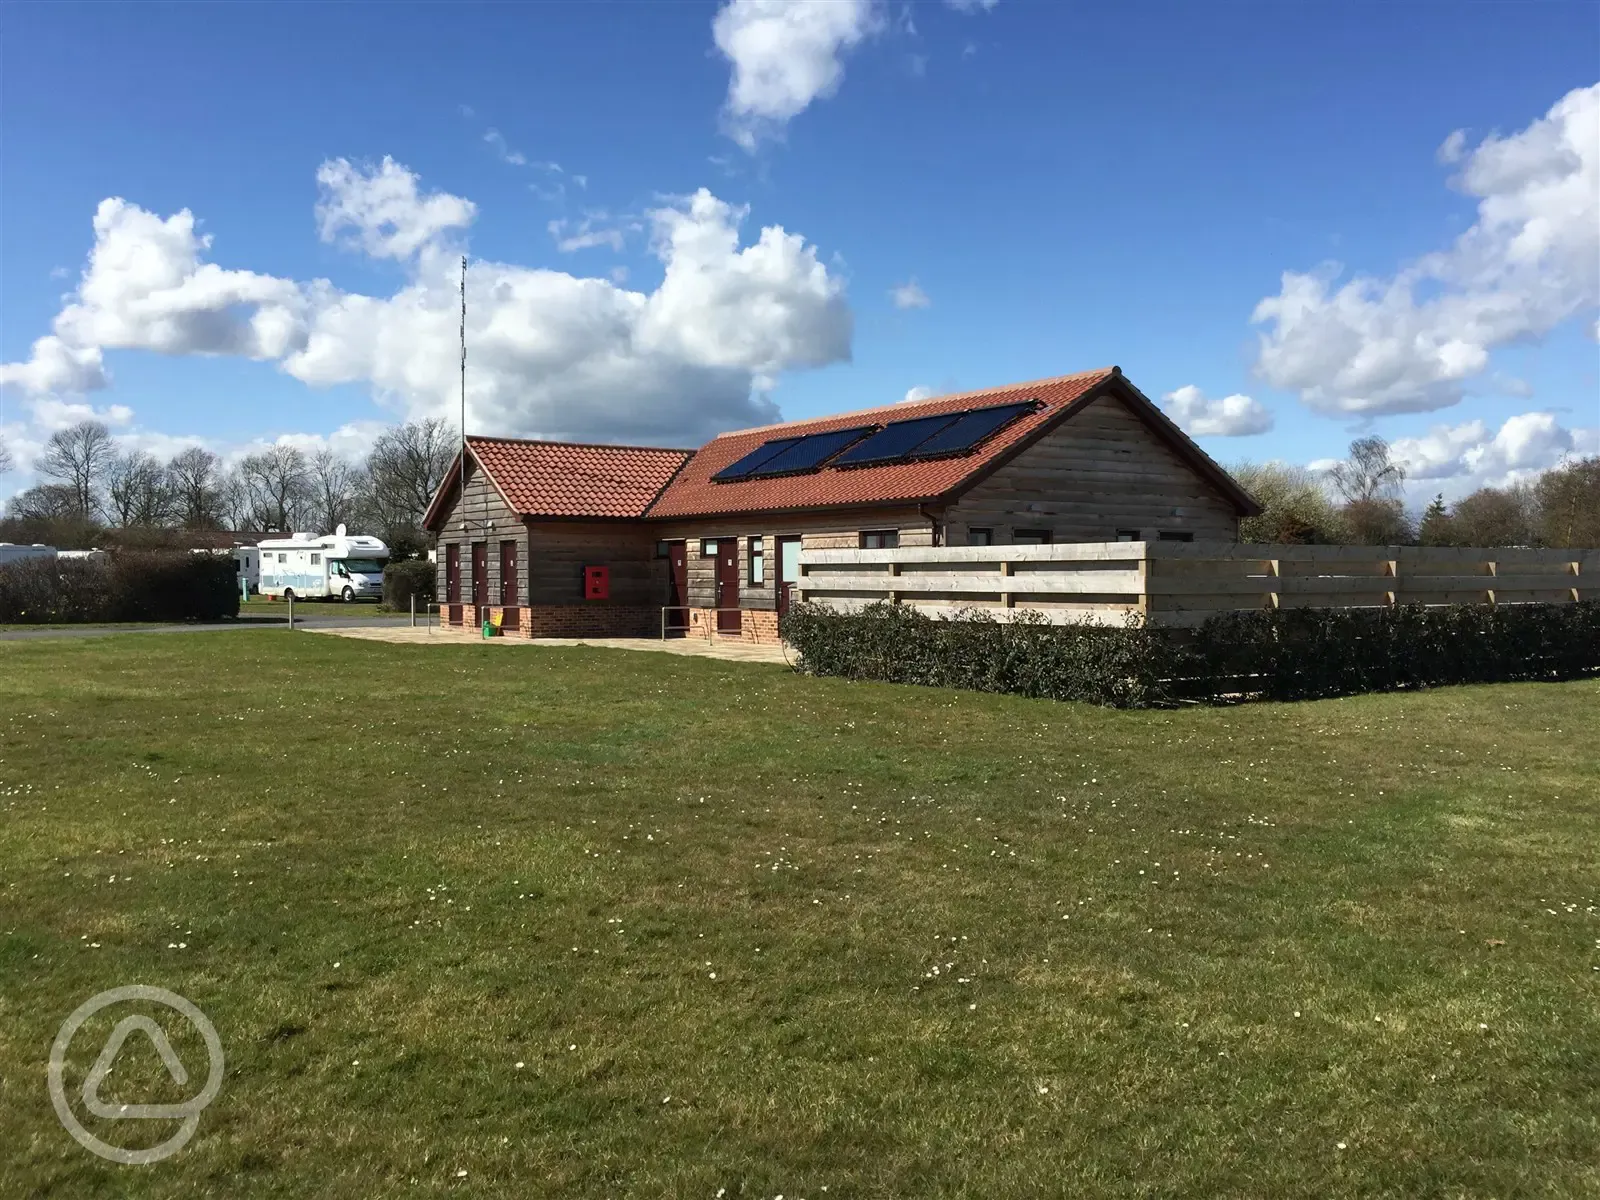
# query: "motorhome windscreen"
(363, 566)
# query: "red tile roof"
(569, 479)
(566, 479)
(692, 494)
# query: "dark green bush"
(128, 586)
(405, 579)
(1288, 654)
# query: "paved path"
(730, 651)
(87, 631)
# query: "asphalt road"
(300, 622)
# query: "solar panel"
(974, 426)
(891, 443)
(809, 453)
(754, 459)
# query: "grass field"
(591, 923)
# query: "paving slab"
(727, 650)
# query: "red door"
(677, 621)
(788, 570)
(728, 616)
(480, 574)
(508, 584)
(452, 574)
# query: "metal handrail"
(711, 626)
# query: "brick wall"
(569, 620)
(755, 625)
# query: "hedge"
(127, 586)
(1284, 654)
(407, 578)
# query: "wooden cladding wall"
(1099, 473)
(817, 530)
(489, 519)
(562, 549)
(1178, 583)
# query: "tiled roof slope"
(567, 479)
(692, 494)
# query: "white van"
(11, 552)
(306, 565)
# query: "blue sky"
(1065, 185)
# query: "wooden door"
(728, 615)
(508, 574)
(677, 587)
(480, 574)
(788, 570)
(452, 574)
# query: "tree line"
(1358, 502)
(89, 487)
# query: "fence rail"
(1183, 583)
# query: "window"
(283, 558)
(980, 537)
(708, 547)
(880, 539)
(1168, 535)
(316, 560)
(663, 549)
(1128, 535)
(758, 560)
(1031, 537)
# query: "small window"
(663, 549)
(1128, 535)
(758, 560)
(316, 560)
(1175, 536)
(1031, 537)
(880, 539)
(708, 547)
(980, 537)
(283, 558)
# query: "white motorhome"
(340, 565)
(11, 552)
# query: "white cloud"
(1472, 456)
(1408, 343)
(382, 208)
(1452, 148)
(549, 352)
(971, 6)
(1232, 416)
(51, 413)
(909, 295)
(588, 233)
(54, 366)
(506, 154)
(918, 393)
(785, 55)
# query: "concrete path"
(730, 651)
(310, 624)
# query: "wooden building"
(568, 539)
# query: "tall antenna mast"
(463, 500)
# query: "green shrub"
(405, 579)
(127, 586)
(1288, 654)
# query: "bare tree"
(1369, 473)
(136, 490)
(194, 477)
(1569, 504)
(1496, 517)
(406, 466)
(233, 501)
(78, 458)
(277, 484)
(1294, 506)
(334, 485)
(43, 502)
(6, 462)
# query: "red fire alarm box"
(597, 583)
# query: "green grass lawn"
(528, 922)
